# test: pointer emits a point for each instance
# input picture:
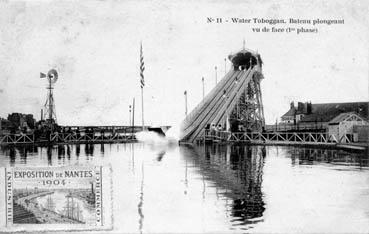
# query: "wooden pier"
(282, 138)
(80, 135)
(17, 139)
(70, 138)
(92, 138)
(75, 134)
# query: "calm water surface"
(222, 188)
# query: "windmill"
(50, 114)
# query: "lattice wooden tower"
(235, 103)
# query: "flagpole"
(203, 88)
(133, 117)
(142, 103)
(142, 81)
(225, 66)
(216, 78)
(185, 95)
(130, 116)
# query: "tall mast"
(133, 116)
(142, 81)
(142, 104)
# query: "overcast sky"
(94, 45)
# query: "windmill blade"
(52, 75)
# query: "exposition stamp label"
(59, 198)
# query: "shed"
(362, 132)
(341, 127)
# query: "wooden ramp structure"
(235, 103)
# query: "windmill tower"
(49, 113)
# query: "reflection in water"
(237, 172)
(186, 178)
(49, 155)
(23, 154)
(68, 152)
(12, 155)
(310, 156)
(160, 155)
(89, 149)
(140, 204)
(221, 187)
(78, 150)
(61, 152)
(249, 162)
(133, 157)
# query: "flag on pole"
(142, 68)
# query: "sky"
(95, 47)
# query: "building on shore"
(320, 114)
(342, 127)
(17, 122)
(342, 120)
(22, 120)
(295, 114)
(5, 126)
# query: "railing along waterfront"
(17, 139)
(309, 138)
(297, 127)
(91, 137)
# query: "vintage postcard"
(172, 116)
(52, 198)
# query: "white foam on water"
(150, 137)
(173, 133)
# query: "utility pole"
(203, 88)
(142, 81)
(216, 78)
(225, 66)
(133, 117)
(130, 110)
(185, 95)
(142, 105)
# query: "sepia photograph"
(184, 116)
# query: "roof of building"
(290, 112)
(243, 53)
(325, 112)
(345, 116)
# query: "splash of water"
(150, 137)
(173, 133)
(153, 138)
